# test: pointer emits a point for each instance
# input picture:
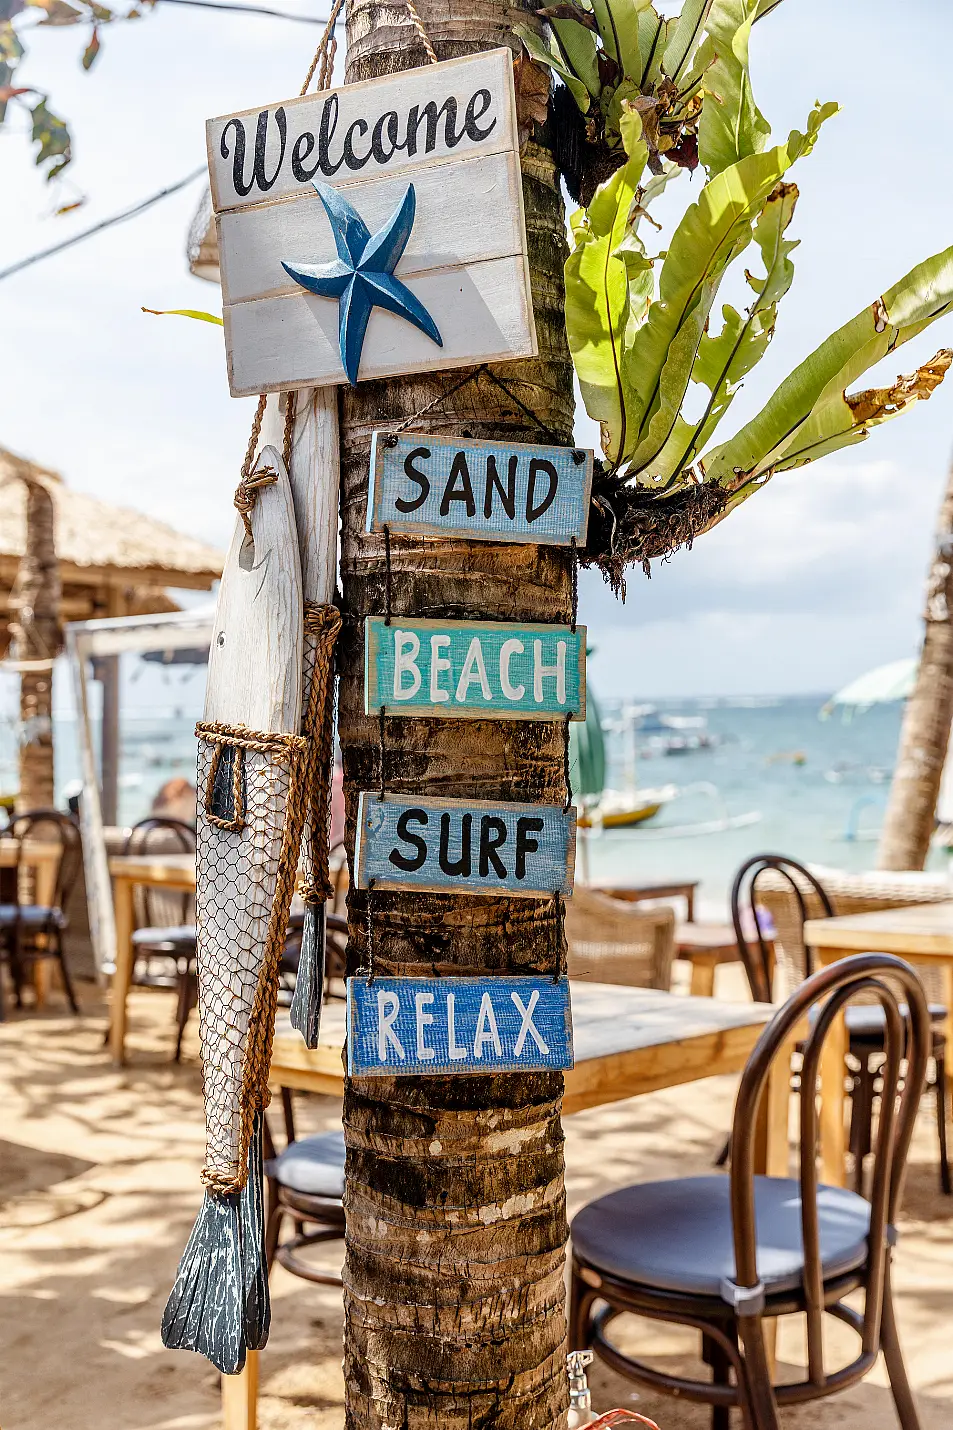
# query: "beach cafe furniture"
(704, 946)
(610, 941)
(42, 858)
(32, 924)
(164, 918)
(922, 933)
(306, 1184)
(790, 893)
(627, 1042)
(729, 1255)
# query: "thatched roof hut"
(112, 561)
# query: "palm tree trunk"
(925, 735)
(37, 636)
(456, 1225)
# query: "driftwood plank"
(464, 846)
(474, 669)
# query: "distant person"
(176, 799)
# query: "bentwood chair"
(31, 931)
(724, 1255)
(771, 887)
(164, 933)
(305, 1184)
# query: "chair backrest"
(861, 893)
(50, 827)
(157, 907)
(747, 914)
(614, 941)
(907, 1037)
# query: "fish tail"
(309, 984)
(220, 1306)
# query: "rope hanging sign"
(347, 236)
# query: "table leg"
(240, 1397)
(122, 900)
(703, 976)
(44, 883)
(833, 1134)
(946, 977)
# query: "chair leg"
(756, 1383)
(714, 1355)
(581, 1298)
(187, 999)
(861, 1119)
(941, 1115)
(273, 1222)
(65, 975)
(896, 1369)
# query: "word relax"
(486, 1039)
(414, 663)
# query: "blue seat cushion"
(166, 940)
(31, 916)
(312, 1165)
(676, 1235)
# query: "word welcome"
(442, 1025)
(475, 669)
(452, 846)
(489, 491)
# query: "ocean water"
(815, 789)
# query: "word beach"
(442, 1025)
(475, 669)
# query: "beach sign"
(436, 1026)
(450, 846)
(475, 670)
(484, 491)
(373, 230)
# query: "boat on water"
(620, 809)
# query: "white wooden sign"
(397, 196)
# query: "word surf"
(456, 846)
(474, 670)
(485, 491)
(457, 1025)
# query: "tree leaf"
(811, 413)
(597, 291)
(711, 234)
(731, 125)
(52, 138)
(538, 50)
(58, 12)
(577, 49)
(91, 50)
(685, 38)
(186, 313)
(532, 82)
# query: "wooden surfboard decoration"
(219, 1305)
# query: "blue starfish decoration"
(362, 275)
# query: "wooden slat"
(393, 829)
(434, 668)
(482, 311)
(418, 480)
(254, 241)
(915, 931)
(366, 103)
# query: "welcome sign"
(474, 669)
(485, 491)
(410, 184)
(457, 1025)
(457, 847)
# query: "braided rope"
(324, 624)
(216, 732)
(414, 14)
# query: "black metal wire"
(557, 936)
(574, 577)
(381, 716)
(370, 931)
(566, 773)
(388, 577)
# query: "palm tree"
(36, 640)
(909, 821)
(456, 1224)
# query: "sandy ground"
(99, 1186)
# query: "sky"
(814, 580)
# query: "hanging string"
(558, 936)
(566, 757)
(288, 434)
(381, 717)
(369, 930)
(388, 577)
(421, 31)
(246, 493)
(574, 577)
(324, 54)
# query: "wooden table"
(166, 871)
(920, 932)
(628, 1041)
(705, 947)
(676, 889)
(43, 856)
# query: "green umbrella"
(587, 752)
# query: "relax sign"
(454, 846)
(457, 1025)
(474, 669)
(347, 233)
(485, 491)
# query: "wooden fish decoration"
(252, 787)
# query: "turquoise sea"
(812, 788)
